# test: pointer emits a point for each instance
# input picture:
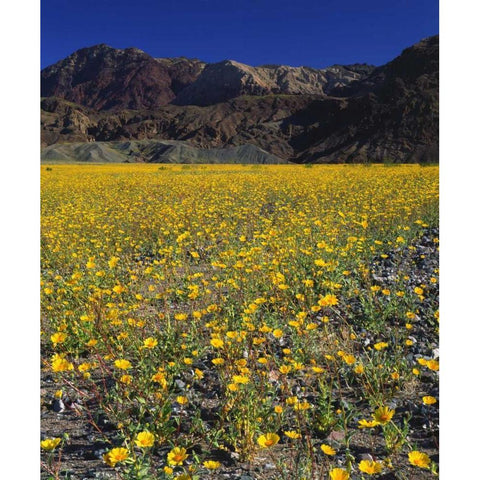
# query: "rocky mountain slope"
(353, 113)
(391, 115)
(154, 151)
(103, 78)
(261, 121)
(222, 81)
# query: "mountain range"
(342, 113)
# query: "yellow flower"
(383, 415)
(349, 359)
(428, 400)
(419, 459)
(58, 337)
(278, 409)
(115, 456)
(150, 342)
(268, 440)
(277, 333)
(113, 262)
(339, 474)
(367, 423)
(292, 434)
(380, 346)
(212, 308)
(433, 365)
(177, 455)
(50, 444)
(123, 364)
(216, 342)
(182, 400)
(359, 369)
(211, 464)
(90, 264)
(60, 364)
(240, 379)
(145, 439)
(85, 367)
(328, 301)
(160, 378)
(327, 449)
(370, 467)
(302, 406)
(126, 379)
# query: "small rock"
(336, 436)
(98, 453)
(366, 456)
(180, 384)
(58, 406)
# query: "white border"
(20, 239)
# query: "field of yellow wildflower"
(239, 322)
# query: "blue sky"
(296, 32)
